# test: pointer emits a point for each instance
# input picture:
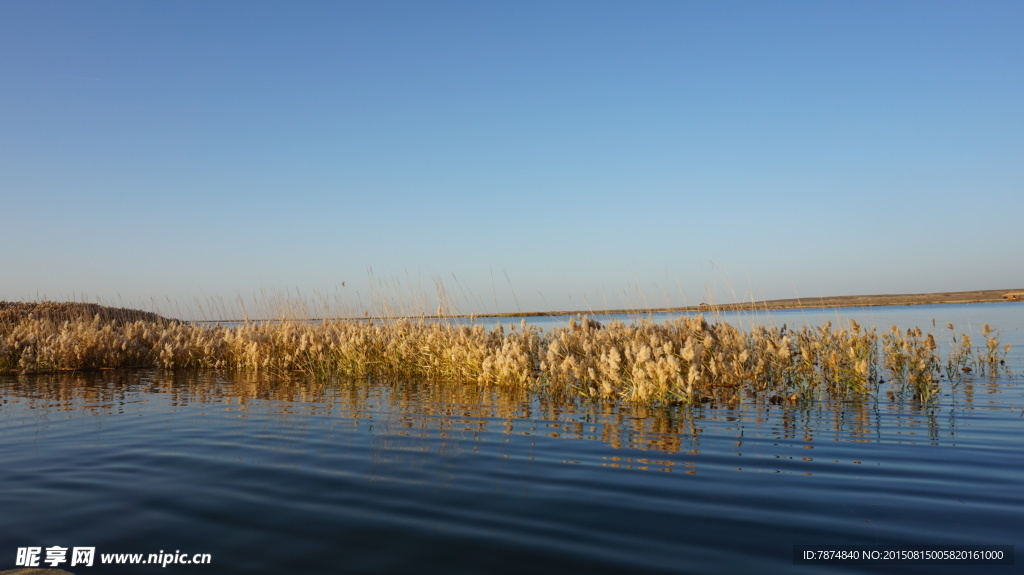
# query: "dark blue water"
(298, 476)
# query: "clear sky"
(523, 155)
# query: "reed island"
(687, 360)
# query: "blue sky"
(523, 155)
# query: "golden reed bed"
(688, 360)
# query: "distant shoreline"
(10, 312)
(937, 298)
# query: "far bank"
(961, 297)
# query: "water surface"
(289, 474)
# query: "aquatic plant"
(687, 360)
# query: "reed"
(688, 360)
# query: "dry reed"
(688, 360)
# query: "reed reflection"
(456, 418)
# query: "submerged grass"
(688, 360)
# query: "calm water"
(296, 476)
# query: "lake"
(292, 475)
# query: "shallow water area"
(285, 475)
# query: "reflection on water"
(281, 475)
(450, 412)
